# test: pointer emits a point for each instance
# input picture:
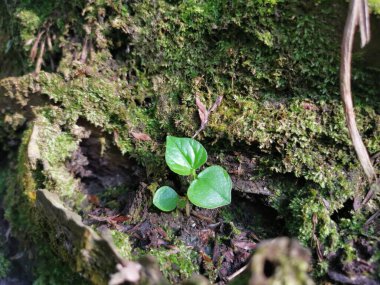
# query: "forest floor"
(215, 243)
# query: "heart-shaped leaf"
(211, 189)
(165, 199)
(184, 155)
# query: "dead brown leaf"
(216, 104)
(121, 219)
(141, 136)
(203, 113)
(93, 199)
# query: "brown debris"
(204, 113)
(141, 136)
(358, 270)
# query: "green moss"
(26, 225)
(55, 147)
(274, 62)
(30, 22)
(374, 6)
(123, 244)
(176, 264)
(5, 266)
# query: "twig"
(374, 187)
(199, 216)
(229, 278)
(84, 52)
(34, 49)
(371, 219)
(40, 57)
(357, 15)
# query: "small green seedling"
(209, 189)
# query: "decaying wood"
(278, 261)
(357, 16)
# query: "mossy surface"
(177, 264)
(274, 62)
(25, 221)
(123, 244)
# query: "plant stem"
(194, 174)
(188, 207)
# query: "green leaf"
(184, 155)
(211, 189)
(165, 199)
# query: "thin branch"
(84, 52)
(40, 57)
(234, 275)
(357, 15)
(34, 49)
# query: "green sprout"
(209, 189)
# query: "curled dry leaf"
(216, 104)
(203, 113)
(141, 136)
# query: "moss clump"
(374, 6)
(30, 23)
(123, 244)
(107, 105)
(176, 264)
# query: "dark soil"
(13, 252)
(224, 238)
(118, 191)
